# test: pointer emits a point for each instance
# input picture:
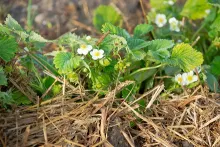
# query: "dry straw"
(180, 120)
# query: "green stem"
(198, 31)
(146, 68)
(29, 21)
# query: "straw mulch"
(82, 119)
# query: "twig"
(209, 122)
(155, 96)
(46, 92)
(143, 12)
(25, 137)
(102, 38)
(2, 141)
(194, 42)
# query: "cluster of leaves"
(137, 56)
(22, 63)
(200, 20)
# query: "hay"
(185, 120)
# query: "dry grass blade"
(156, 94)
(211, 121)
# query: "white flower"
(174, 24)
(84, 49)
(190, 77)
(207, 11)
(179, 79)
(160, 20)
(88, 38)
(170, 2)
(97, 54)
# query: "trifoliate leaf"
(65, 62)
(12, 24)
(195, 9)
(136, 44)
(34, 37)
(214, 2)
(158, 49)
(115, 30)
(3, 79)
(142, 29)
(215, 66)
(8, 48)
(104, 14)
(185, 57)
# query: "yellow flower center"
(160, 20)
(180, 79)
(97, 54)
(190, 78)
(83, 46)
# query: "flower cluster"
(161, 21)
(186, 78)
(85, 49)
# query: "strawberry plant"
(180, 42)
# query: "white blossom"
(84, 49)
(189, 77)
(160, 20)
(174, 24)
(180, 80)
(88, 38)
(97, 54)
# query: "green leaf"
(185, 57)
(3, 79)
(115, 30)
(159, 4)
(34, 37)
(195, 9)
(212, 82)
(65, 62)
(41, 60)
(214, 2)
(215, 25)
(160, 44)
(138, 55)
(70, 39)
(20, 99)
(158, 49)
(8, 48)
(136, 44)
(6, 98)
(142, 29)
(215, 66)
(104, 14)
(129, 92)
(12, 24)
(139, 77)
